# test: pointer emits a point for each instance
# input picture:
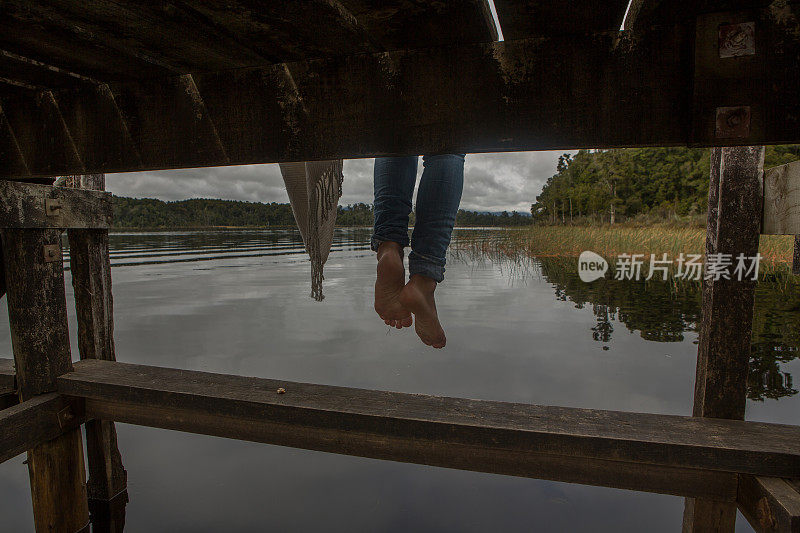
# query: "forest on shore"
(607, 186)
(149, 213)
(591, 187)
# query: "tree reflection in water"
(664, 311)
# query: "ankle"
(389, 248)
(422, 282)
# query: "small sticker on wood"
(736, 40)
(733, 122)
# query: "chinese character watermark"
(718, 266)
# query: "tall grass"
(611, 241)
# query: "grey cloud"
(492, 182)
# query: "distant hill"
(149, 213)
(634, 181)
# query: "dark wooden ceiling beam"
(406, 24)
(530, 18)
(558, 92)
(604, 90)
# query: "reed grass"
(611, 241)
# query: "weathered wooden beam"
(770, 504)
(37, 314)
(599, 90)
(735, 64)
(723, 356)
(796, 258)
(643, 14)
(25, 205)
(399, 24)
(90, 267)
(306, 415)
(520, 19)
(782, 200)
(108, 516)
(36, 421)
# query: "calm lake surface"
(237, 302)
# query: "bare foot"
(417, 297)
(388, 284)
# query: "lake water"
(237, 302)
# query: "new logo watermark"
(592, 266)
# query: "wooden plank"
(25, 205)
(404, 24)
(182, 398)
(195, 36)
(616, 93)
(520, 19)
(770, 504)
(37, 309)
(730, 83)
(161, 34)
(782, 200)
(108, 516)
(723, 355)
(27, 32)
(37, 314)
(646, 13)
(90, 267)
(36, 421)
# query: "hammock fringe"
(324, 197)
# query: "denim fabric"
(438, 198)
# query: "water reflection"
(237, 302)
(664, 311)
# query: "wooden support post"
(796, 261)
(91, 281)
(38, 318)
(770, 504)
(734, 209)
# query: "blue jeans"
(437, 204)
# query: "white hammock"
(314, 189)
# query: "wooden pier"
(110, 86)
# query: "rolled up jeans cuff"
(426, 266)
(399, 238)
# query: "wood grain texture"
(37, 310)
(36, 421)
(556, 92)
(723, 354)
(782, 200)
(108, 516)
(770, 504)
(58, 489)
(722, 82)
(96, 38)
(24, 205)
(40, 338)
(182, 398)
(90, 267)
(647, 13)
(520, 19)
(796, 258)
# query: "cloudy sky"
(492, 182)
